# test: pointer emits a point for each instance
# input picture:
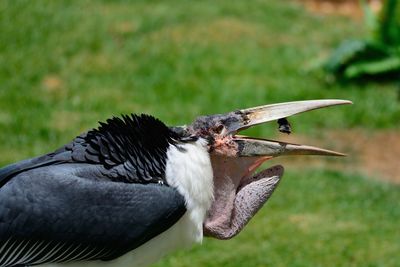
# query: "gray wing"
(49, 214)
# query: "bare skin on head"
(238, 192)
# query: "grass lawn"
(64, 65)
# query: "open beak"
(248, 147)
(239, 192)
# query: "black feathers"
(139, 143)
(72, 205)
(131, 149)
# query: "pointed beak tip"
(347, 102)
(337, 154)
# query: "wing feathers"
(15, 252)
(66, 218)
(29, 252)
(51, 253)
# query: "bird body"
(132, 190)
(189, 171)
(78, 203)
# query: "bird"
(134, 189)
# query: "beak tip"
(332, 102)
(347, 102)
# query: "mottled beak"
(248, 146)
(238, 192)
(222, 130)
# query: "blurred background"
(64, 65)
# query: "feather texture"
(131, 149)
(96, 198)
(49, 215)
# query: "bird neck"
(188, 169)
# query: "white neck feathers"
(189, 170)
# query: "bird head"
(238, 191)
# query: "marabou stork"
(133, 189)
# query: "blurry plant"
(376, 56)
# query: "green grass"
(64, 65)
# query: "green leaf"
(389, 23)
(353, 51)
(377, 67)
(343, 54)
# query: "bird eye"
(219, 129)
